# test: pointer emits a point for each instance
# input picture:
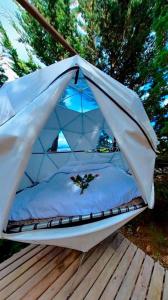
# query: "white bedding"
(59, 196)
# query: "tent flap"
(6, 109)
(17, 137)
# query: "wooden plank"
(67, 274)
(91, 277)
(156, 284)
(128, 283)
(115, 269)
(143, 279)
(16, 256)
(20, 261)
(62, 265)
(61, 281)
(118, 276)
(22, 268)
(70, 286)
(165, 288)
(36, 278)
(97, 289)
(48, 254)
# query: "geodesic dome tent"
(72, 119)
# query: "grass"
(8, 248)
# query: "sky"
(8, 9)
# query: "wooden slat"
(115, 269)
(118, 276)
(90, 278)
(165, 290)
(62, 265)
(106, 274)
(16, 256)
(127, 285)
(47, 254)
(143, 279)
(61, 281)
(20, 262)
(156, 284)
(36, 278)
(70, 286)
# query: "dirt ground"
(151, 237)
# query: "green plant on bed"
(83, 182)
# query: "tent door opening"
(76, 173)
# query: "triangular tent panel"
(52, 122)
(34, 166)
(61, 160)
(105, 141)
(84, 98)
(25, 182)
(46, 169)
(38, 147)
(76, 125)
(62, 143)
(47, 138)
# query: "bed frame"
(60, 222)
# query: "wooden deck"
(115, 269)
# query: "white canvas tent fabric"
(30, 102)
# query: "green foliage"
(3, 77)
(19, 66)
(117, 31)
(83, 182)
(59, 15)
(154, 66)
(8, 248)
(118, 40)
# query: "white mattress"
(59, 196)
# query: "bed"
(58, 197)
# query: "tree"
(19, 66)
(116, 33)
(3, 77)
(125, 38)
(106, 144)
(153, 69)
(128, 40)
(58, 14)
